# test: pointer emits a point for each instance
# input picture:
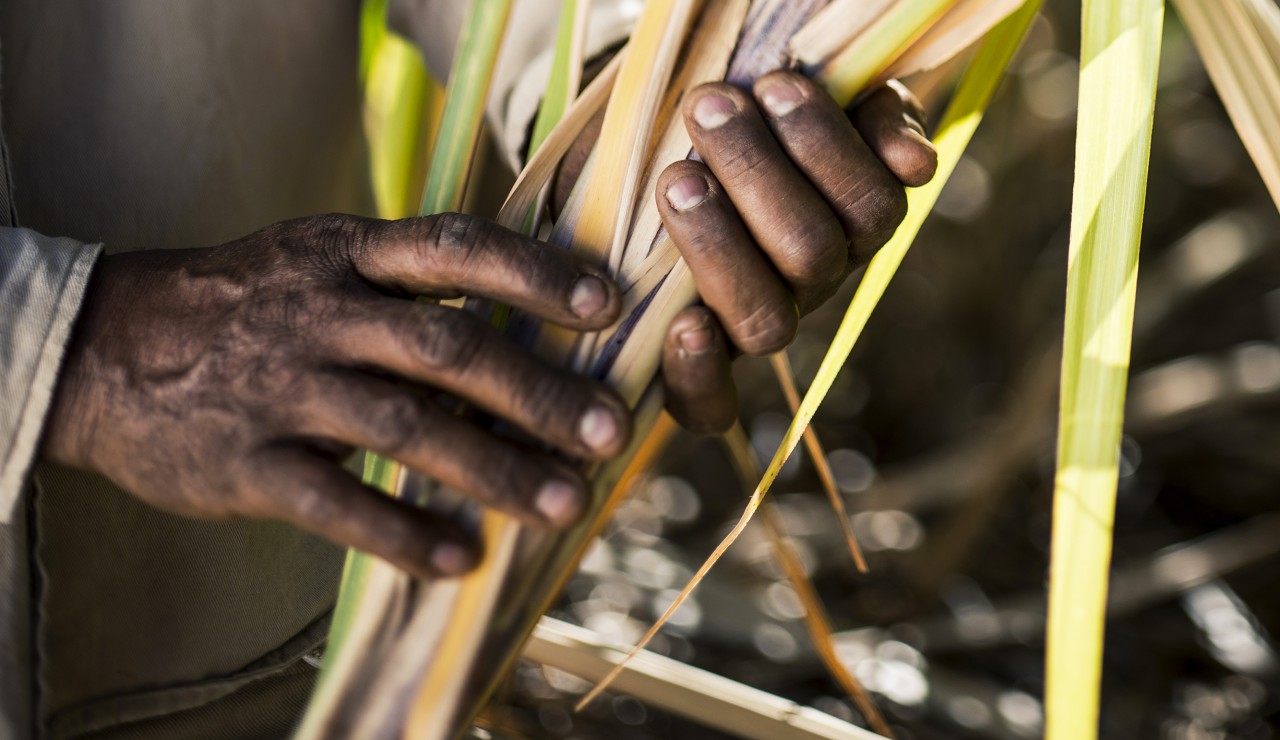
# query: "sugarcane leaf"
(465, 96)
(368, 586)
(711, 700)
(626, 131)
(542, 165)
(738, 528)
(710, 48)
(816, 620)
(787, 382)
(956, 129)
(402, 111)
(1239, 41)
(1120, 55)
(566, 70)
(834, 28)
(964, 24)
(853, 69)
(954, 132)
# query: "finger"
(891, 121)
(817, 135)
(785, 215)
(458, 352)
(378, 415)
(453, 254)
(701, 394)
(734, 277)
(295, 486)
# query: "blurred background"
(941, 434)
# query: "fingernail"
(712, 111)
(450, 559)
(687, 192)
(696, 341)
(558, 502)
(589, 297)
(781, 96)
(598, 429)
(917, 137)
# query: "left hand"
(794, 195)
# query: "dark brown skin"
(792, 198)
(231, 381)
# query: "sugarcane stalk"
(434, 650)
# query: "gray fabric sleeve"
(42, 283)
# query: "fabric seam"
(20, 458)
(156, 703)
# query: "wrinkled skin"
(231, 381)
(792, 198)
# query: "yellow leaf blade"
(954, 132)
(787, 381)
(1120, 60)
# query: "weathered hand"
(231, 381)
(793, 196)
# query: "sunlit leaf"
(954, 132)
(851, 71)
(1120, 57)
(566, 70)
(465, 97)
(363, 595)
(787, 381)
(1239, 41)
(816, 620)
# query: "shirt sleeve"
(42, 284)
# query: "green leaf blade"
(465, 96)
(954, 133)
(1120, 60)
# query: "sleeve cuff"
(42, 285)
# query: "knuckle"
(316, 505)
(448, 341)
(397, 421)
(878, 212)
(549, 402)
(452, 240)
(336, 238)
(502, 479)
(816, 248)
(744, 160)
(889, 211)
(767, 329)
(700, 244)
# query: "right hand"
(232, 381)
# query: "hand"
(232, 381)
(793, 196)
